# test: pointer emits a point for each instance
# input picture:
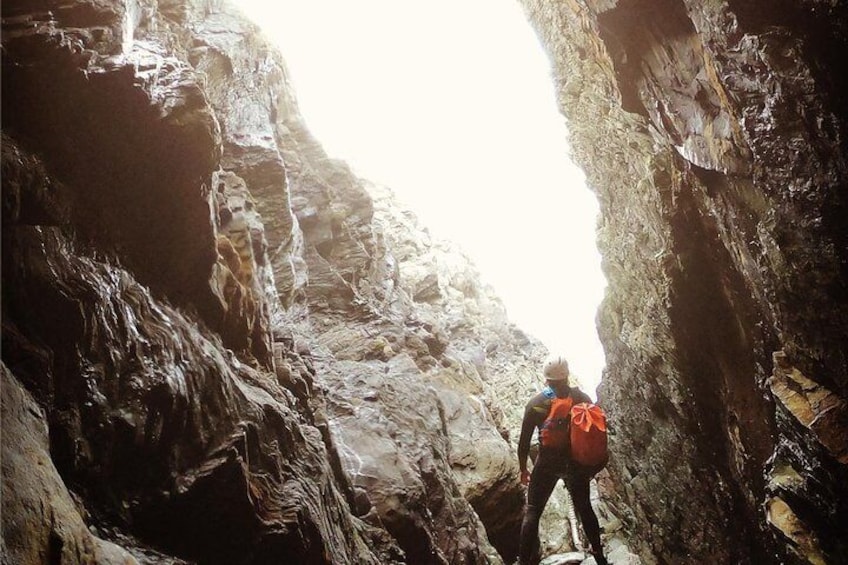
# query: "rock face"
(54, 531)
(423, 392)
(713, 134)
(152, 422)
(218, 345)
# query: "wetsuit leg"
(543, 479)
(578, 487)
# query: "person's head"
(556, 371)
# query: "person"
(551, 465)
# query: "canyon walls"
(221, 346)
(713, 134)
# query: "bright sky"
(450, 103)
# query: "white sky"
(450, 103)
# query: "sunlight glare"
(451, 104)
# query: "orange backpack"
(555, 430)
(589, 435)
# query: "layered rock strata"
(231, 358)
(220, 346)
(713, 135)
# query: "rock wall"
(713, 134)
(158, 430)
(220, 345)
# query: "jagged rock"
(53, 530)
(803, 542)
(201, 299)
(58, 80)
(350, 265)
(389, 426)
(162, 426)
(151, 302)
(814, 406)
(242, 278)
(371, 382)
(713, 136)
(248, 86)
(152, 420)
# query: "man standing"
(554, 462)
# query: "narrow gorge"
(221, 346)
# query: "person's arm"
(527, 426)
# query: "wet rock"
(206, 304)
(389, 427)
(712, 137)
(156, 255)
(53, 530)
(814, 406)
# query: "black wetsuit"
(550, 466)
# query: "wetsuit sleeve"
(530, 421)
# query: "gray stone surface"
(41, 519)
(205, 311)
(190, 276)
(712, 135)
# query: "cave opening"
(457, 115)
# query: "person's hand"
(525, 477)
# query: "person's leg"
(578, 486)
(542, 483)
